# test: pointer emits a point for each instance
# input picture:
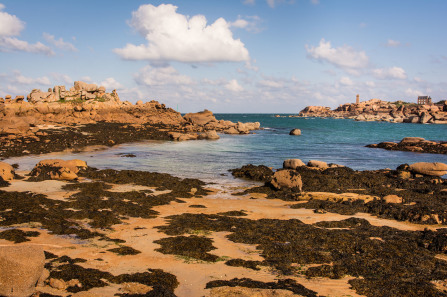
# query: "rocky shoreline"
(414, 144)
(378, 110)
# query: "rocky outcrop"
(288, 179)
(378, 110)
(414, 144)
(295, 132)
(56, 169)
(292, 163)
(21, 268)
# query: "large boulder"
(425, 168)
(82, 86)
(292, 164)
(6, 171)
(287, 179)
(57, 169)
(210, 135)
(412, 139)
(20, 269)
(200, 118)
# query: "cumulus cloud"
(271, 83)
(18, 78)
(10, 26)
(60, 77)
(234, 86)
(346, 81)
(392, 43)
(412, 93)
(390, 73)
(110, 83)
(59, 43)
(344, 57)
(175, 37)
(159, 76)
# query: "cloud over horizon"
(175, 37)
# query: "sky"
(233, 56)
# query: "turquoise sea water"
(331, 140)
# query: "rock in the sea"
(425, 168)
(210, 135)
(200, 118)
(287, 179)
(317, 164)
(20, 269)
(6, 171)
(295, 132)
(292, 164)
(412, 139)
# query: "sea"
(339, 141)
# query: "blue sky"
(269, 56)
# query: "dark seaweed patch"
(244, 263)
(282, 284)
(193, 246)
(377, 254)
(18, 235)
(197, 206)
(125, 250)
(253, 172)
(91, 278)
(233, 213)
(3, 183)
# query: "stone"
(21, 267)
(139, 102)
(317, 164)
(426, 168)
(6, 171)
(412, 139)
(292, 164)
(43, 277)
(58, 284)
(210, 135)
(295, 132)
(82, 86)
(392, 199)
(56, 169)
(135, 288)
(231, 130)
(200, 118)
(287, 178)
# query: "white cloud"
(392, 43)
(390, 73)
(234, 86)
(10, 25)
(249, 2)
(175, 37)
(110, 83)
(159, 76)
(249, 23)
(10, 44)
(412, 93)
(370, 84)
(271, 83)
(344, 57)
(23, 80)
(87, 79)
(64, 78)
(59, 43)
(346, 81)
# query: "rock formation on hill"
(378, 110)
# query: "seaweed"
(282, 284)
(244, 263)
(233, 213)
(18, 235)
(193, 246)
(124, 250)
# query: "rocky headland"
(87, 115)
(378, 110)
(414, 144)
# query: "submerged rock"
(295, 132)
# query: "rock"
(287, 179)
(292, 164)
(317, 164)
(21, 268)
(210, 135)
(82, 86)
(412, 139)
(226, 291)
(58, 284)
(433, 169)
(6, 171)
(43, 277)
(56, 169)
(392, 199)
(135, 288)
(231, 130)
(200, 118)
(139, 102)
(295, 132)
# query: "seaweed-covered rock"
(57, 169)
(21, 268)
(317, 164)
(253, 172)
(287, 179)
